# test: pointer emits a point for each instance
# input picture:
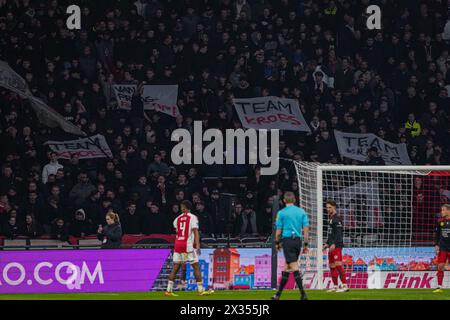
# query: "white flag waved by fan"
(124, 95)
(162, 98)
(10, 80)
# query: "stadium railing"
(129, 241)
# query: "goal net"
(389, 216)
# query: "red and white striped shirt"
(184, 225)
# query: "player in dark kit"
(335, 243)
(442, 245)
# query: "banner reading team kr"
(356, 145)
(86, 148)
(270, 113)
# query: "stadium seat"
(347, 241)
(38, 244)
(251, 240)
(89, 243)
(222, 241)
(235, 240)
(209, 241)
(358, 241)
(155, 241)
(370, 240)
(19, 244)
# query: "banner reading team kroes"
(356, 145)
(270, 113)
(124, 94)
(162, 98)
(86, 148)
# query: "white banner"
(53, 119)
(356, 145)
(86, 148)
(10, 80)
(359, 205)
(270, 113)
(124, 93)
(162, 98)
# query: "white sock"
(169, 286)
(200, 287)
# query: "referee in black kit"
(290, 223)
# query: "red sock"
(341, 271)
(334, 276)
(440, 277)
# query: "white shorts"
(190, 257)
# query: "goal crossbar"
(325, 167)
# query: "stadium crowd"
(393, 82)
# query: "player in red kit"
(442, 245)
(335, 243)
(187, 247)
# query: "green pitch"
(357, 294)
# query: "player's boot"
(303, 296)
(334, 289)
(170, 294)
(209, 292)
(275, 297)
(205, 293)
(182, 286)
(438, 290)
(344, 288)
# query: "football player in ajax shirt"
(442, 244)
(187, 247)
(335, 243)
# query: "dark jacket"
(10, 232)
(154, 223)
(111, 236)
(79, 227)
(94, 211)
(58, 233)
(218, 214)
(131, 223)
(206, 222)
(32, 231)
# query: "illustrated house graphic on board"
(226, 263)
(263, 270)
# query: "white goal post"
(389, 215)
